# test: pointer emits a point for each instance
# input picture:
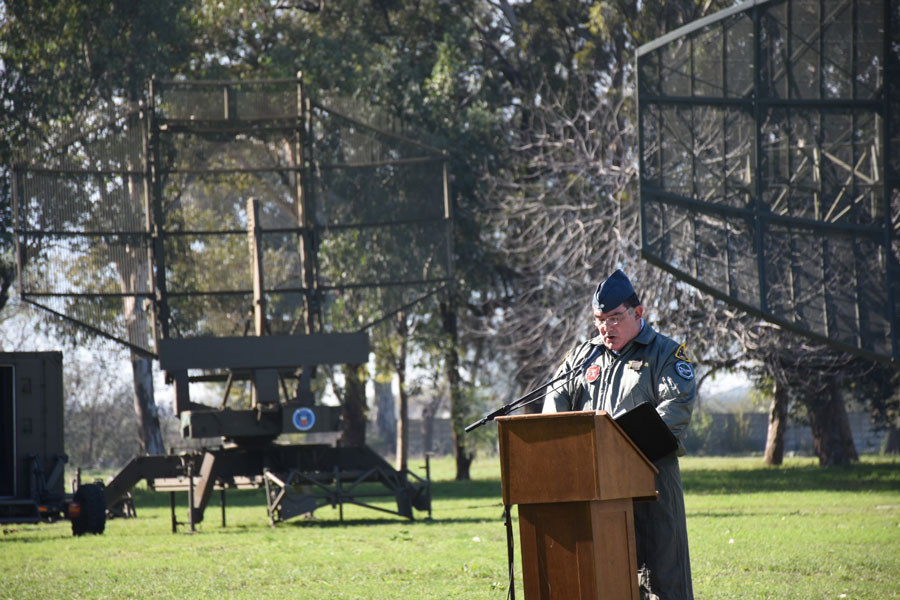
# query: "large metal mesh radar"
(141, 227)
(770, 164)
(240, 231)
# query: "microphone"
(533, 395)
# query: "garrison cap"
(613, 291)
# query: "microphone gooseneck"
(536, 394)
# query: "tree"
(566, 213)
(810, 375)
(63, 61)
(531, 100)
(778, 419)
(353, 406)
(385, 411)
(563, 210)
(879, 391)
(419, 62)
(97, 403)
(459, 411)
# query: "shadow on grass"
(329, 523)
(853, 478)
(476, 489)
(483, 493)
(144, 498)
(32, 533)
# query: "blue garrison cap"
(613, 291)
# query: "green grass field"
(796, 532)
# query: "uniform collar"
(646, 335)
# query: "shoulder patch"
(681, 354)
(684, 369)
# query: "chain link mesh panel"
(769, 164)
(380, 208)
(144, 220)
(81, 229)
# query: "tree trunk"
(145, 405)
(7, 274)
(385, 414)
(134, 281)
(353, 408)
(402, 426)
(777, 426)
(464, 457)
(429, 412)
(403, 408)
(92, 430)
(892, 441)
(427, 429)
(832, 437)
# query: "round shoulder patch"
(684, 369)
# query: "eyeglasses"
(612, 320)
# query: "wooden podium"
(575, 476)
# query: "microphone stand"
(505, 410)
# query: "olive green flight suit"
(650, 368)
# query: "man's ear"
(639, 311)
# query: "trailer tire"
(93, 510)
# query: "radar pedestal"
(263, 358)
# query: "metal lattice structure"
(136, 228)
(81, 228)
(237, 231)
(770, 164)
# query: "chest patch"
(592, 373)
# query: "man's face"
(618, 326)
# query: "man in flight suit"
(627, 364)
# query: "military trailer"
(32, 456)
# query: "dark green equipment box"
(32, 455)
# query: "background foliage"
(534, 102)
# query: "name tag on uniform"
(635, 365)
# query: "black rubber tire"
(93, 510)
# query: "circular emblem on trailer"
(593, 373)
(304, 419)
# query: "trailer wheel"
(92, 518)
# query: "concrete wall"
(441, 439)
(751, 436)
(737, 434)
(798, 437)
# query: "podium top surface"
(570, 457)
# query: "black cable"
(510, 551)
(533, 395)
